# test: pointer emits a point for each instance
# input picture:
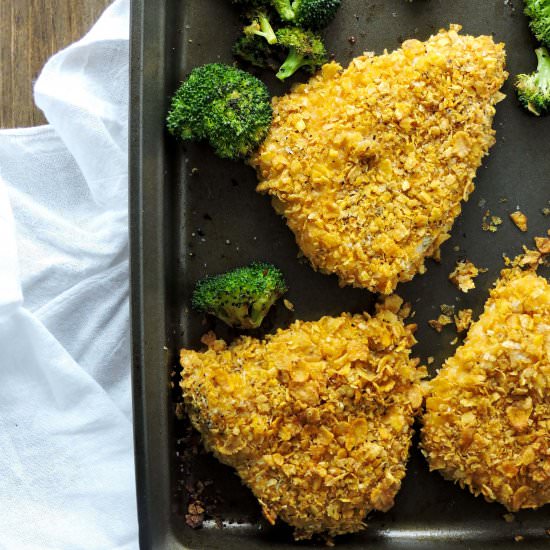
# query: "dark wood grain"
(30, 32)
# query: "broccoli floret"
(260, 26)
(241, 297)
(305, 49)
(256, 51)
(312, 14)
(534, 89)
(223, 105)
(539, 12)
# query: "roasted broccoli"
(311, 14)
(260, 26)
(241, 297)
(534, 89)
(305, 49)
(256, 51)
(539, 12)
(223, 105)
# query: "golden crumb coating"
(369, 164)
(316, 419)
(487, 421)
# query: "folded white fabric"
(66, 453)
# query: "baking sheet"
(193, 214)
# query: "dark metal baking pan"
(186, 223)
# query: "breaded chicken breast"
(487, 421)
(369, 165)
(316, 419)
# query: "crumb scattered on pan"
(288, 304)
(392, 303)
(509, 518)
(464, 274)
(405, 310)
(520, 219)
(440, 322)
(490, 223)
(518, 538)
(546, 211)
(543, 244)
(454, 341)
(447, 309)
(195, 515)
(430, 360)
(529, 259)
(180, 411)
(463, 320)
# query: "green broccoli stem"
(285, 10)
(260, 308)
(543, 66)
(267, 30)
(291, 64)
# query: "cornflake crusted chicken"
(316, 419)
(487, 420)
(369, 164)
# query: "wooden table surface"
(30, 32)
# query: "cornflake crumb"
(195, 515)
(288, 304)
(543, 244)
(490, 223)
(440, 322)
(454, 341)
(529, 259)
(180, 411)
(446, 309)
(393, 303)
(520, 219)
(546, 211)
(430, 360)
(464, 274)
(405, 310)
(463, 320)
(509, 518)
(518, 538)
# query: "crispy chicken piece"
(369, 164)
(316, 419)
(487, 420)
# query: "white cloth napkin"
(66, 452)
